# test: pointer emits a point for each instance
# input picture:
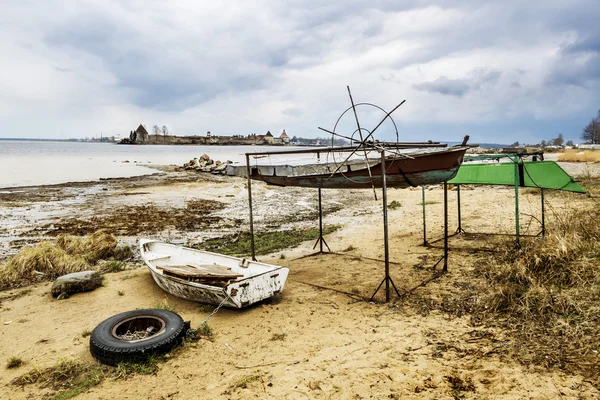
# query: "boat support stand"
(387, 279)
(321, 240)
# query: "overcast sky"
(499, 71)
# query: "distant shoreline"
(482, 145)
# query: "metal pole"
(320, 224)
(320, 215)
(250, 205)
(516, 161)
(424, 217)
(459, 230)
(385, 229)
(543, 215)
(445, 269)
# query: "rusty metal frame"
(389, 283)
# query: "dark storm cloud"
(443, 85)
(578, 63)
(459, 87)
(578, 60)
(168, 75)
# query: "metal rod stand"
(459, 230)
(543, 215)
(425, 243)
(321, 240)
(250, 205)
(445, 269)
(387, 279)
(517, 181)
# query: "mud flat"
(310, 342)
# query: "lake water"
(27, 163)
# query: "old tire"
(109, 347)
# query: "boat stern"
(258, 288)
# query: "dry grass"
(580, 156)
(544, 296)
(547, 294)
(69, 378)
(48, 260)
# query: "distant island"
(141, 136)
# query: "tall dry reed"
(580, 156)
(48, 260)
(548, 293)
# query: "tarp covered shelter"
(535, 174)
(486, 169)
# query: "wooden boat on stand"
(366, 163)
(415, 167)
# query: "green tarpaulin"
(536, 174)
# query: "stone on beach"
(76, 282)
(206, 164)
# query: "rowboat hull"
(420, 169)
(260, 280)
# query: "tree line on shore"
(590, 135)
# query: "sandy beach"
(320, 338)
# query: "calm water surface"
(24, 163)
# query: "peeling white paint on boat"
(260, 280)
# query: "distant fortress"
(141, 136)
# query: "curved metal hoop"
(365, 104)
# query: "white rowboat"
(211, 278)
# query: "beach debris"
(76, 282)
(206, 164)
(7, 322)
(133, 336)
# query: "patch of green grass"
(265, 243)
(243, 381)
(69, 394)
(113, 266)
(278, 336)
(148, 367)
(394, 205)
(68, 377)
(205, 331)
(14, 362)
(86, 332)
(165, 304)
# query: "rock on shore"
(206, 164)
(76, 282)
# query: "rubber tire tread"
(111, 351)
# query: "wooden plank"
(209, 272)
